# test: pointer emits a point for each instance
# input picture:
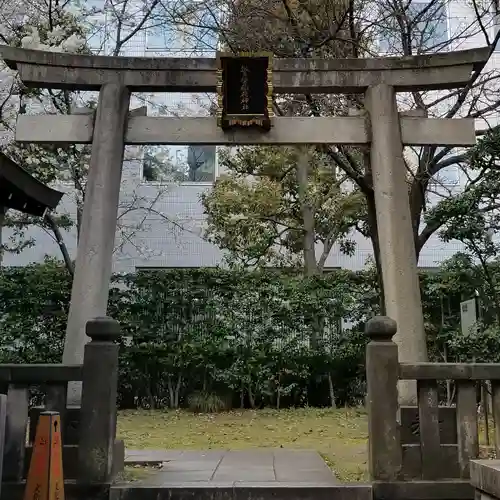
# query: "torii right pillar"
(395, 232)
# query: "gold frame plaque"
(249, 93)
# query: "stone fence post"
(382, 373)
(99, 392)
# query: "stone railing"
(88, 432)
(429, 442)
(485, 479)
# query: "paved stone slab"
(304, 466)
(166, 477)
(142, 457)
(236, 467)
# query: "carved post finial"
(103, 329)
(381, 328)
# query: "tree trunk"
(332, 392)
(79, 215)
(171, 393)
(3, 211)
(151, 399)
(372, 225)
(60, 241)
(307, 210)
(251, 398)
(278, 394)
(490, 280)
(174, 389)
(178, 390)
(309, 245)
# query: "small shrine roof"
(19, 190)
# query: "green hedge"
(244, 336)
(212, 339)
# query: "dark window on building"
(201, 163)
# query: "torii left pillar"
(397, 249)
(89, 295)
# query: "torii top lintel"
(296, 76)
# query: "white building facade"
(161, 222)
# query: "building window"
(95, 5)
(178, 38)
(159, 165)
(450, 176)
(162, 38)
(181, 164)
(201, 163)
(150, 167)
(204, 36)
(428, 269)
(427, 23)
(496, 23)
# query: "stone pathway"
(226, 468)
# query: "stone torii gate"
(112, 127)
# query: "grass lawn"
(340, 436)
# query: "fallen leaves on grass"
(340, 436)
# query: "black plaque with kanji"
(245, 90)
